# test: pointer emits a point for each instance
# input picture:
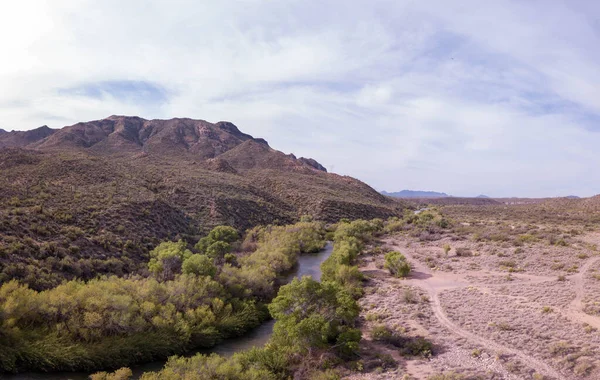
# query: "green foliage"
(418, 346)
(311, 317)
(120, 374)
(349, 240)
(218, 241)
(396, 263)
(277, 252)
(203, 367)
(166, 259)
(113, 321)
(200, 265)
(218, 249)
(310, 314)
(381, 333)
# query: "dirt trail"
(436, 282)
(575, 310)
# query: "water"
(308, 265)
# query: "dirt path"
(436, 282)
(538, 365)
(575, 310)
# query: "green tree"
(396, 263)
(310, 314)
(224, 235)
(200, 265)
(218, 249)
(166, 259)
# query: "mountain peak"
(185, 138)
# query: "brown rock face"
(186, 138)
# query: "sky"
(466, 97)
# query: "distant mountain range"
(415, 194)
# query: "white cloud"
(463, 97)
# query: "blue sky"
(469, 97)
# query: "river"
(308, 265)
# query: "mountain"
(415, 194)
(482, 196)
(24, 138)
(95, 197)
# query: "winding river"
(308, 265)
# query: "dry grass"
(524, 285)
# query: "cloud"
(498, 98)
(123, 91)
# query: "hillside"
(95, 197)
(415, 194)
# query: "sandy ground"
(538, 320)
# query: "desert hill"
(95, 197)
(24, 138)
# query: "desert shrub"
(409, 296)
(396, 263)
(561, 348)
(447, 376)
(527, 238)
(583, 367)
(546, 309)
(463, 252)
(508, 263)
(381, 333)
(418, 346)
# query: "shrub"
(447, 376)
(463, 252)
(409, 296)
(381, 333)
(418, 346)
(120, 374)
(396, 263)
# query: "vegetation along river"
(308, 265)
